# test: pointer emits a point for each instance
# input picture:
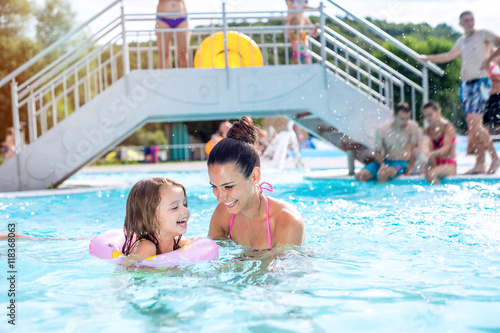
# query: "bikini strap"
(230, 226)
(270, 188)
(267, 220)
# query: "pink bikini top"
(270, 189)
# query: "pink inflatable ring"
(108, 245)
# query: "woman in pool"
(171, 22)
(244, 213)
(157, 216)
(438, 144)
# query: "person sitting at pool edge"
(244, 214)
(394, 145)
(438, 144)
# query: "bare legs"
(383, 175)
(434, 173)
(480, 142)
(164, 39)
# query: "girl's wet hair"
(238, 148)
(140, 217)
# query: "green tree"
(54, 20)
(15, 49)
(13, 17)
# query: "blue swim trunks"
(374, 166)
(474, 94)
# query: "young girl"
(298, 40)
(156, 216)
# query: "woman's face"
(430, 115)
(231, 187)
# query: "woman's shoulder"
(285, 213)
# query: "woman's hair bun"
(244, 130)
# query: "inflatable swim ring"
(241, 51)
(108, 245)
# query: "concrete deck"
(317, 167)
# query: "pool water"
(400, 257)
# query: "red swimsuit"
(436, 144)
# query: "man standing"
(474, 46)
(394, 145)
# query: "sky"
(432, 12)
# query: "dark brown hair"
(402, 107)
(467, 12)
(140, 217)
(431, 104)
(239, 147)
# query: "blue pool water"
(402, 257)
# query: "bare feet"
(476, 171)
(494, 167)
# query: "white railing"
(191, 152)
(128, 42)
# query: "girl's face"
(231, 187)
(172, 212)
(430, 115)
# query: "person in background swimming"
(492, 115)
(171, 22)
(156, 218)
(245, 214)
(438, 144)
(394, 146)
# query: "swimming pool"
(380, 258)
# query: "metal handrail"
(391, 39)
(68, 54)
(387, 68)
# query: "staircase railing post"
(15, 115)
(224, 29)
(126, 58)
(425, 84)
(323, 41)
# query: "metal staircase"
(106, 86)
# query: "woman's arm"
(217, 222)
